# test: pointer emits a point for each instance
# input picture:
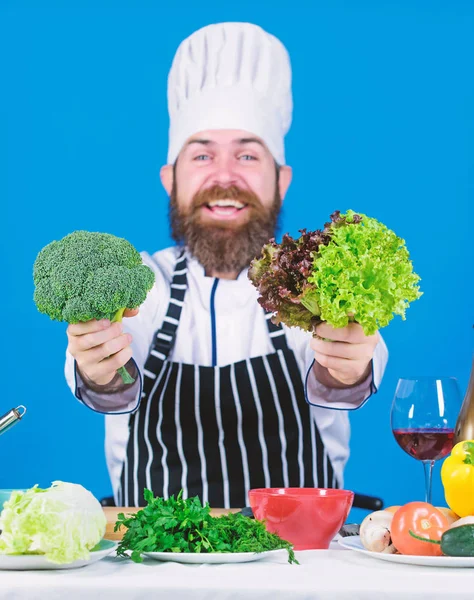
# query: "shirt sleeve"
(126, 400)
(142, 328)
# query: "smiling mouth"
(224, 209)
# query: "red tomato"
(422, 519)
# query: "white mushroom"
(469, 520)
(375, 532)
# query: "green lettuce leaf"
(364, 274)
(355, 269)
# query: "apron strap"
(276, 332)
(164, 338)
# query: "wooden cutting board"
(112, 512)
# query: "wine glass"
(423, 418)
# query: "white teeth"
(225, 203)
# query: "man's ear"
(284, 180)
(166, 176)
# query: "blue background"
(383, 124)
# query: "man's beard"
(221, 246)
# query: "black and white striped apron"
(217, 432)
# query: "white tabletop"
(333, 573)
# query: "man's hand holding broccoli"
(100, 348)
(91, 280)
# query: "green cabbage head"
(63, 522)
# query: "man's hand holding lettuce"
(342, 283)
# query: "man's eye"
(248, 157)
(202, 157)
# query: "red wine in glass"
(425, 444)
(423, 417)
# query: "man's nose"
(224, 174)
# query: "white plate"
(33, 562)
(212, 557)
(354, 543)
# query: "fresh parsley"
(185, 525)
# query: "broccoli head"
(89, 275)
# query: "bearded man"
(223, 400)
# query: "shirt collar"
(197, 267)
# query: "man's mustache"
(218, 192)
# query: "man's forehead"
(224, 137)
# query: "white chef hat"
(230, 76)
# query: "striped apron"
(217, 432)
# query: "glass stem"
(428, 467)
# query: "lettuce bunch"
(63, 522)
(355, 269)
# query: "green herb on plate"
(185, 525)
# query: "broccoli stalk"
(89, 275)
(122, 371)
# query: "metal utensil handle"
(11, 418)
